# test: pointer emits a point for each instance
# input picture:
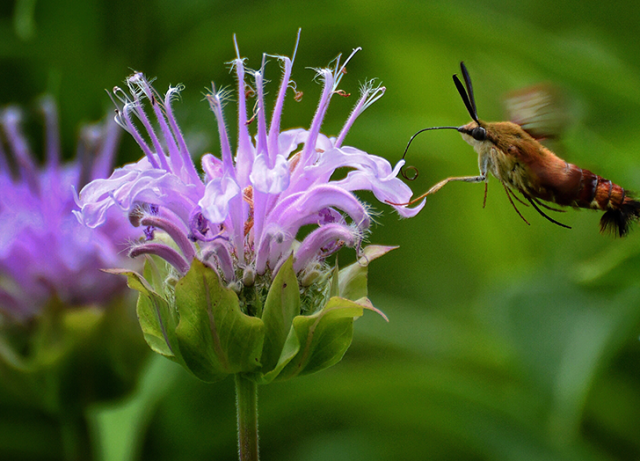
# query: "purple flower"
(244, 215)
(44, 252)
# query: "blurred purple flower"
(244, 215)
(44, 251)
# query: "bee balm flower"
(237, 227)
(66, 328)
(44, 252)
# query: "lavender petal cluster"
(244, 214)
(44, 252)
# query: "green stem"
(76, 439)
(247, 410)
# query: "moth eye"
(479, 133)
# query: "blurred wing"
(540, 110)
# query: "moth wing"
(541, 110)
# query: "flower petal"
(270, 180)
(217, 195)
(131, 185)
(212, 167)
(291, 213)
(312, 245)
(370, 172)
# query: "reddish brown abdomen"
(571, 185)
(597, 192)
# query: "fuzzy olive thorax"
(502, 135)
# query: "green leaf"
(157, 319)
(353, 278)
(289, 350)
(156, 271)
(334, 288)
(216, 338)
(281, 306)
(120, 427)
(322, 338)
(158, 324)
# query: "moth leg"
(440, 185)
(437, 187)
(483, 164)
(484, 202)
(533, 202)
(509, 194)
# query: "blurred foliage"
(506, 341)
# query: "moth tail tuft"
(618, 220)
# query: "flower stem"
(247, 410)
(76, 440)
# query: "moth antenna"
(467, 81)
(543, 214)
(465, 98)
(509, 193)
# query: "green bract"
(198, 322)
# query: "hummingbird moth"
(522, 164)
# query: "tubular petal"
(165, 252)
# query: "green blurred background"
(505, 341)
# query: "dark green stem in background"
(76, 440)
(247, 410)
